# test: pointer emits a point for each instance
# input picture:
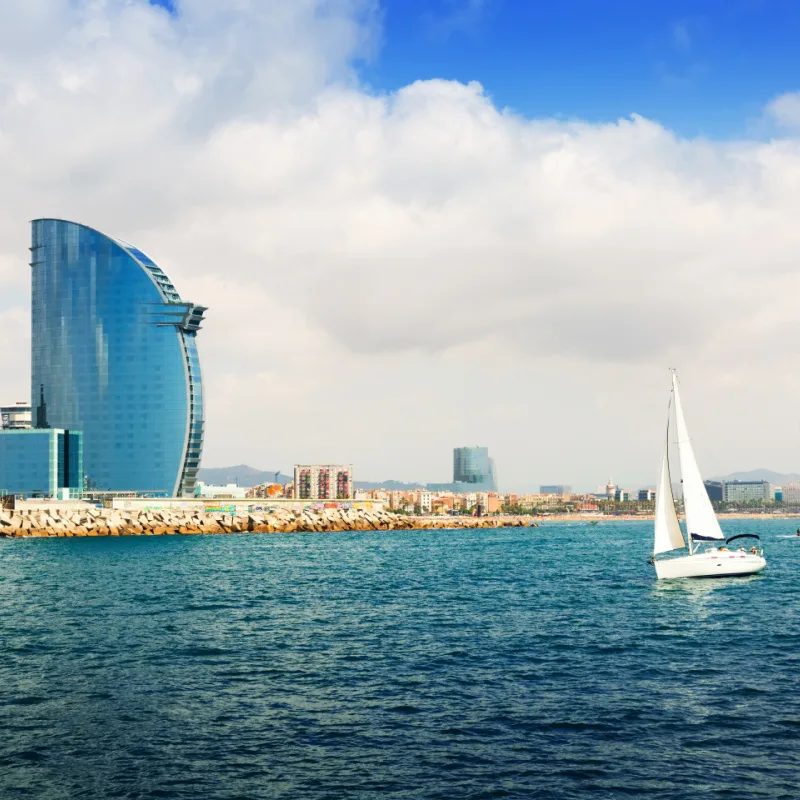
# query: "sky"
(421, 225)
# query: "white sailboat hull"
(711, 564)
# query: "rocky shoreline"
(92, 521)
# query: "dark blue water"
(513, 663)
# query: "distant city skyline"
(245, 475)
(408, 244)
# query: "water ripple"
(539, 663)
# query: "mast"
(683, 498)
(677, 442)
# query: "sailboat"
(715, 560)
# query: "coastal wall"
(92, 521)
(237, 507)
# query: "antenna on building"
(41, 411)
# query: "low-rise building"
(268, 490)
(41, 462)
(647, 495)
(791, 494)
(441, 504)
(402, 501)
(425, 502)
(16, 417)
(229, 492)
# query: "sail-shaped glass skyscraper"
(114, 355)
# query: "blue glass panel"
(140, 255)
(75, 472)
(473, 465)
(26, 463)
(109, 360)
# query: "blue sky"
(701, 67)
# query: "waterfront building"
(746, 491)
(425, 502)
(114, 355)
(714, 490)
(323, 482)
(401, 501)
(556, 488)
(621, 495)
(16, 417)
(229, 492)
(41, 463)
(611, 490)
(264, 490)
(791, 494)
(442, 503)
(647, 495)
(472, 465)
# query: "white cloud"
(785, 110)
(393, 275)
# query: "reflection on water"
(700, 599)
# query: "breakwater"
(91, 521)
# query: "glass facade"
(555, 488)
(746, 491)
(114, 355)
(41, 463)
(473, 465)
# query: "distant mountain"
(775, 478)
(389, 486)
(246, 476)
(241, 476)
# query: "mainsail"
(700, 518)
(668, 530)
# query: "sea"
(515, 663)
